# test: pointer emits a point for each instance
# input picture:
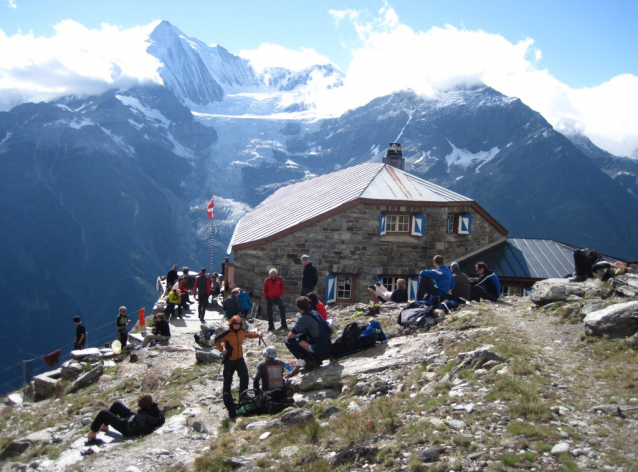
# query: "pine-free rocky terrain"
(490, 387)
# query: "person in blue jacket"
(486, 285)
(438, 281)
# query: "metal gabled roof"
(527, 258)
(307, 200)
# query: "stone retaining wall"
(349, 243)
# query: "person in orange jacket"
(232, 340)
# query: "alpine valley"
(104, 193)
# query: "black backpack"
(256, 402)
(349, 341)
(417, 315)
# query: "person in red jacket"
(274, 289)
(317, 306)
(202, 290)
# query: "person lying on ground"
(145, 421)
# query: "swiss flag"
(209, 208)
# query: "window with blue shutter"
(418, 225)
(382, 220)
(413, 288)
(450, 224)
(331, 293)
(465, 224)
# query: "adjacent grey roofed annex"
(527, 259)
(309, 199)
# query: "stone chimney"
(394, 157)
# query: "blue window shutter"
(331, 292)
(380, 280)
(413, 289)
(465, 224)
(382, 224)
(418, 225)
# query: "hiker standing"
(171, 278)
(148, 418)
(232, 350)
(274, 290)
(121, 323)
(202, 290)
(80, 334)
(309, 278)
(309, 339)
(270, 371)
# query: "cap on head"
(76, 319)
(454, 266)
(202, 270)
(305, 258)
(270, 351)
(122, 308)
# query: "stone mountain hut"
(362, 224)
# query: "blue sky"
(584, 42)
(573, 61)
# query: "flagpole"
(210, 211)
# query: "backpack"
(417, 316)
(256, 402)
(348, 341)
(321, 347)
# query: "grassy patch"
(515, 460)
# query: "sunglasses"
(236, 324)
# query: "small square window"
(390, 281)
(398, 223)
(345, 287)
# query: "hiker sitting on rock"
(486, 285)
(174, 299)
(270, 371)
(148, 418)
(309, 339)
(461, 286)
(316, 305)
(161, 330)
(232, 350)
(435, 282)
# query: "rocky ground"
(490, 387)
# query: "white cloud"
(391, 56)
(12, 4)
(74, 60)
(273, 55)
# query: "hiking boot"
(284, 328)
(577, 279)
(310, 365)
(271, 329)
(377, 309)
